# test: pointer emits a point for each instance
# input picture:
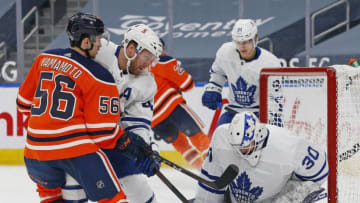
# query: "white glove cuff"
(211, 87)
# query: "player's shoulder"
(283, 140)
(108, 48)
(88, 65)
(219, 139)
(166, 60)
(226, 47)
(268, 55)
(144, 84)
(227, 50)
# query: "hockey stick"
(234, 111)
(231, 110)
(171, 187)
(216, 118)
(229, 174)
(310, 198)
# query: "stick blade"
(227, 177)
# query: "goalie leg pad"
(296, 191)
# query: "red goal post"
(322, 104)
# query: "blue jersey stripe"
(137, 126)
(212, 177)
(211, 189)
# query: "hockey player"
(173, 120)
(128, 64)
(239, 63)
(268, 157)
(70, 122)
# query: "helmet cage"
(246, 132)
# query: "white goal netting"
(303, 101)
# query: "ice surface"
(16, 186)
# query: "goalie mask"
(145, 38)
(248, 136)
(243, 30)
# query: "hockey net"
(323, 105)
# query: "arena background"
(302, 33)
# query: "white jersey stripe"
(109, 169)
(24, 100)
(163, 96)
(72, 144)
(193, 115)
(186, 83)
(166, 106)
(69, 128)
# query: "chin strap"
(87, 50)
(128, 63)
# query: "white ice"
(16, 186)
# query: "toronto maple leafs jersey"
(136, 92)
(242, 76)
(285, 157)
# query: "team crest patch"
(242, 191)
(243, 94)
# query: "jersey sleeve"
(212, 168)
(27, 89)
(138, 101)
(311, 162)
(171, 70)
(106, 56)
(217, 74)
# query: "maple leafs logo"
(242, 191)
(243, 94)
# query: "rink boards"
(13, 132)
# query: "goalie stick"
(171, 187)
(229, 174)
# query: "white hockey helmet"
(243, 30)
(145, 38)
(245, 132)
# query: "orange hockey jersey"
(171, 79)
(73, 104)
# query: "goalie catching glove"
(135, 147)
(212, 95)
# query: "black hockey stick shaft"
(230, 110)
(171, 187)
(226, 178)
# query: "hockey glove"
(149, 165)
(212, 95)
(132, 145)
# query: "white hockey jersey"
(242, 76)
(136, 92)
(285, 157)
